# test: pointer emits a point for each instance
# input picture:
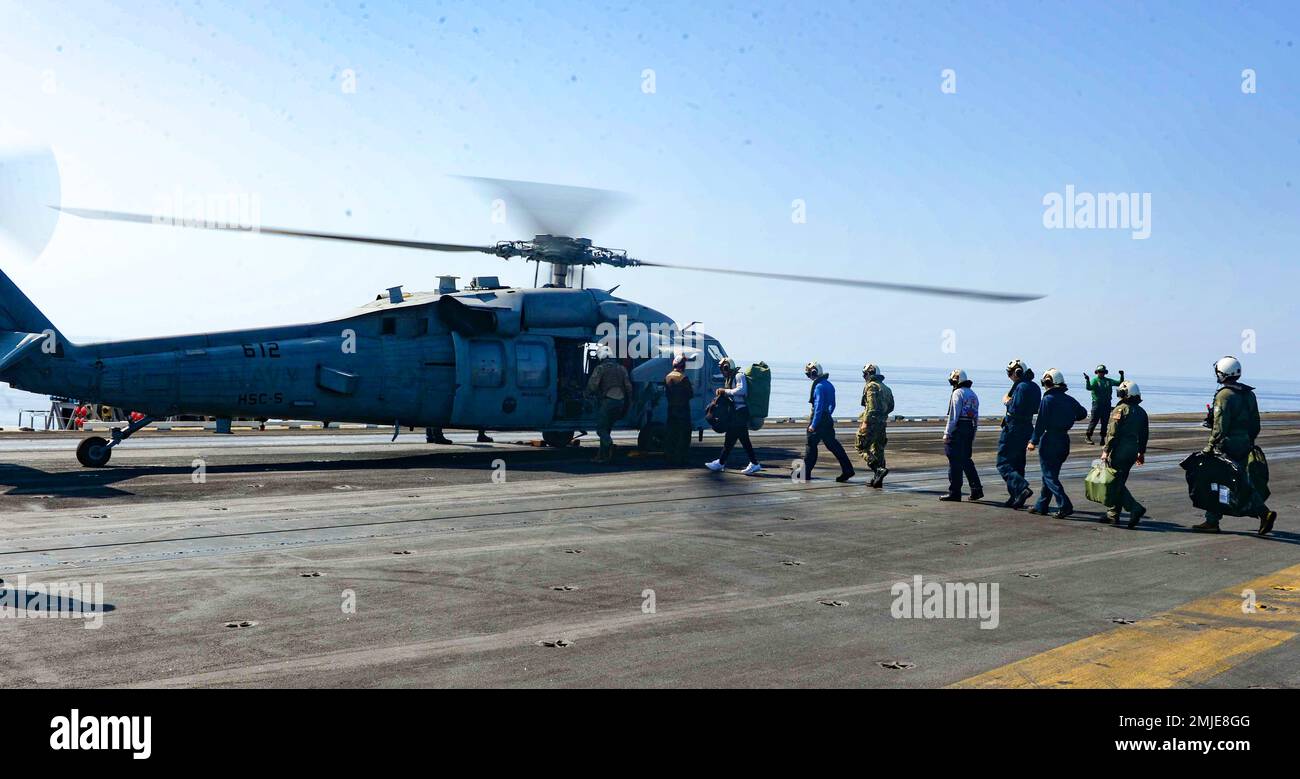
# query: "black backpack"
(1217, 484)
(719, 413)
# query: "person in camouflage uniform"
(877, 405)
(1234, 428)
(1126, 447)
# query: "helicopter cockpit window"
(486, 359)
(531, 366)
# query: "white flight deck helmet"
(1128, 389)
(603, 352)
(1017, 365)
(726, 364)
(813, 370)
(1053, 377)
(870, 369)
(1227, 369)
(957, 377)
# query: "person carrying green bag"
(1125, 447)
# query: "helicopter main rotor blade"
(29, 178)
(920, 289)
(119, 216)
(554, 209)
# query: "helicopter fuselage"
(499, 359)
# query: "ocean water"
(925, 391)
(917, 392)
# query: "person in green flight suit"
(611, 386)
(1101, 388)
(1234, 429)
(1129, 430)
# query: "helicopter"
(486, 356)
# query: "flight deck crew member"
(612, 388)
(1057, 413)
(1100, 387)
(1017, 428)
(1235, 428)
(735, 385)
(959, 437)
(877, 405)
(821, 423)
(678, 392)
(1126, 447)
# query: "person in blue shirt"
(1017, 428)
(959, 437)
(1057, 413)
(821, 425)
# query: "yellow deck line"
(1183, 646)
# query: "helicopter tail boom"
(17, 312)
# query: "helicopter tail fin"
(17, 313)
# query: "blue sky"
(755, 106)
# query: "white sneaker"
(752, 469)
(714, 466)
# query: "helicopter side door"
(504, 383)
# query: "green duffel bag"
(1100, 485)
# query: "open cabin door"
(504, 383)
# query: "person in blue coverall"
(1057, 413)
(821, 425)
(1017, 429)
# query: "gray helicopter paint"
(424, 361)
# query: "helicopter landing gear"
(651, 437)
(557, 439)
(94, 452)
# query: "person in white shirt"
(959, 437)
(735, 387)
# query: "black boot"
(1266, 523)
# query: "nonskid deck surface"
(365, 563)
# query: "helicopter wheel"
(93, 452)
(651, 438)
(557, 439)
